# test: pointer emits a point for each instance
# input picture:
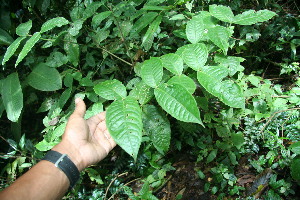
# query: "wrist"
(64, 147)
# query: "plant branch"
(125, 173)
(270, 118)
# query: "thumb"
(80, 108)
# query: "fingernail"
(77, 100)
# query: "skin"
(86, 142)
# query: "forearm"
(43, 181)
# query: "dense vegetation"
(202, 97)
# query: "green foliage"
(173, 76)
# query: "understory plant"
(158, 69)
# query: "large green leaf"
(222, 13)
(12, 96)
(12, 49)
(152, 72)
(52, 23)
(142, 92)
(195, 30)
(295, 147)
(295, 169)
(24, 28)
(184, 81)
(227, 91)
(149, 35)
(45, 78)
(5, 38)
(219, 35)
(232, 94)
(157, 126)
(209, 82)
(173, 63)
(178, 102)
(218, 72)
(124, 123)
(195, 55)
(252, 17)
(111, 90)
(28, 46)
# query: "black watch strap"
(63, 162)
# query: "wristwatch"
(65, 164)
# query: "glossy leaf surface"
(124, 122)
(12, 96)
(28, 46)
(111, 90)
(45, 78)
(178, 102)
(152, 72)
(157, 126)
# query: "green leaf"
(101, 35)
(146, 7)
(75, 27)
(177, 17)
(212, 155)
(142, 92)
(111, 90)
(218, 72)
(295, 169)
(45, 146)
(173, 63)
(227, 91)
(12, 96)
(64, 97)
(237, 139)
(178, 102)
(252, 17)
(45, 78)
(24, 28)
(157, 126)
(5, 38)
(94, 175)
(222, 13)
(56, 59)
(143, 21)
(95, 109)
(152, 72)
(149, 35)
(91, 9)
(124, 123)
(295, 147)
(28, 46)
(97, 19)
(231, 62)
(52, 23)
(72, 49)
(195, 56)
(232, 94)
(219, 35)
(184, 81)
(12, 49)
(195, 30)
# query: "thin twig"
(128, 63)
(123, 187)
(122, 35)
(125, 173)
(270, 118)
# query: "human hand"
(86, 142)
